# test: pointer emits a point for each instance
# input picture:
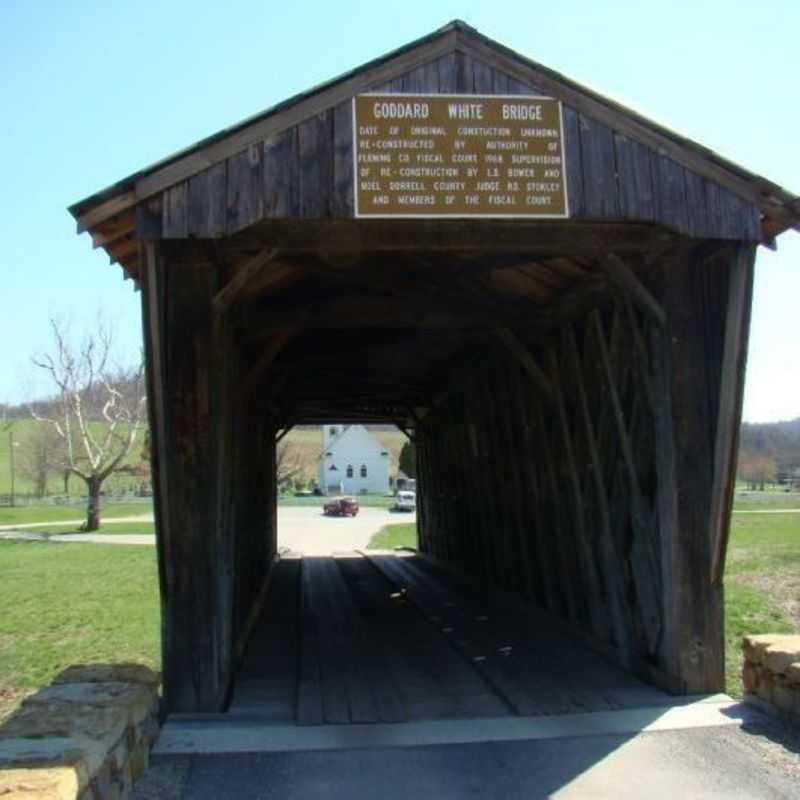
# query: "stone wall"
(771, 673)
(87, 735)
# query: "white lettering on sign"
(451, 155)
(391, 110)
(465, 111)
(522, 112)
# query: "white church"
(352, 461)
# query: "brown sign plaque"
(458, 156)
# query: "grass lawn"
(69, 603)
(390, 536)
(762, 583)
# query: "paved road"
(301, 529)
(701, 763)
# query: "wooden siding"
(594, 498)
(306, 171)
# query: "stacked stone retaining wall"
(87, 736)
(771, 673)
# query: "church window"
(349, 470)
(363, 470)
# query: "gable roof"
(345, 430)
(780, 209)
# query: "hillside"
(779, 440)
(23, 431)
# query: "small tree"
(289, 464)
(98, 410)
(40, 455)
(407, 461)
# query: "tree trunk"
(93, 509)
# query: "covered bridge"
(549, 292)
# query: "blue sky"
(92, 91)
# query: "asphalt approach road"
(300, 529)
(754, 761)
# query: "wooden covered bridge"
(549, 292)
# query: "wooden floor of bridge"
(395, 638)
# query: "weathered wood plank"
(280, 175)
(625, 278)
(525, 360)
(233, 290)
(342, 200)
(197, 613)
(599, 173)
(482, 77)
(699, 224)
(729, 414)
(245, 189)
(644, 560)
(585, 559)
(670, 193)
(309, 686)
(612, 561)
(634, 170)
(573, 163)
(175, 213)
(315, 166)
(448, 73)
(207, 207)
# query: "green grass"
(24, 514)
(391, 536)
(69, 603)
(762, 580)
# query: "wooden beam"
(271, 351)
(107, 209)
(482, 237)
(731, 395)
(525, 360)
(231, 292)
(622, 275)
(281, 434)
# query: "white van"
(406, 501)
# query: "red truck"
(341, 507)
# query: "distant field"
(23, 429)
(756, 501)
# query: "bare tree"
(288, 463)
(98, 409)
